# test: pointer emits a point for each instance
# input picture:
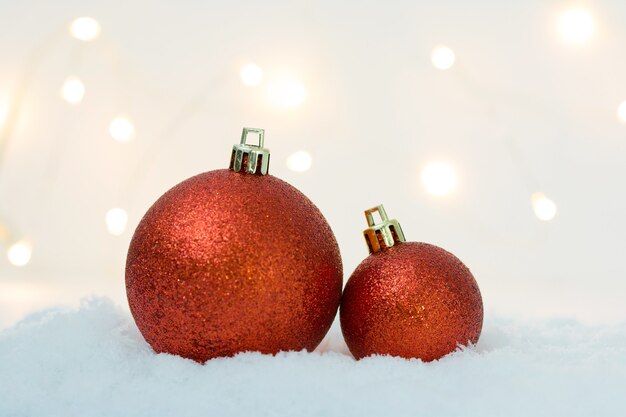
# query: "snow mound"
(94, 362)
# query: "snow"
(92, 361)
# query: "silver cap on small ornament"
(385, 234)
(248, 158)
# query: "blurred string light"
(73, 90)
(544, 208)
(576, 26)
(116, 220)
(19, 253)
(122, 129)
(251, 75)
(299, 161)
(286, 92)
(621, 112)
(442, 57)
(85, 29)
(439, 178)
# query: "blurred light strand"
(576, 26)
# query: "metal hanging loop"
(385, 234)
(249, 158)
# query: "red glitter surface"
(412, 300)
(227, 262)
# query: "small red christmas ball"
(408, 299)
(231, 261)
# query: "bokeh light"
(122, 129)
(251, 75)
(442, 57)
(73, 90)
(621, 112)
(85, 28)
(439, 178)
(576, 26)
(285, 92)
(4, 110)
(299, 161)
(544, 208)
(116, 220)
(4, 233)
(19, 253)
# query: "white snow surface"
(93, 362)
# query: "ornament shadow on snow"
(205, 278)
(408, 299)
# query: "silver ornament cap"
(248, 158)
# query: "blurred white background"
(490, 128)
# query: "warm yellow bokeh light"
(621, 112)
(544, 208)
(122, 129)
(576, 26)
(85, 28)
(286, 92)
(439, 178)
(4, 110)
(442, 57)
(73, 90)
(4, 233)
(299, 161)
(116, 220)
(19, 253)
(251, 75)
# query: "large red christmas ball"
(412, 300)
(227, 262)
